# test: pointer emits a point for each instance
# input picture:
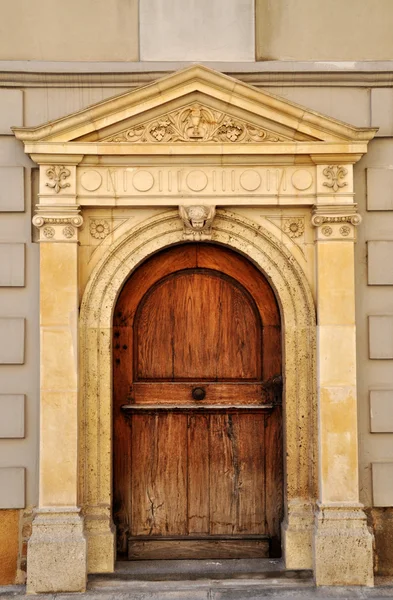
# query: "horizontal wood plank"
(187, 549)
(199, 408)
(216, 393)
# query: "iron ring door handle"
(198, 393)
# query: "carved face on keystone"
(197, 216)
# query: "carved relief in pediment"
(196, 123)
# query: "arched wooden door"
(197, 408)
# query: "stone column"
(56, 559)
(342, 544)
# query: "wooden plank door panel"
(199, 325)
(197, 479)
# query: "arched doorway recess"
(298, 321)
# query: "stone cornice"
(349, 152)
(137, 74)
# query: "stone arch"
(298, 318)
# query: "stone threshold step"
(208, 590)
(180, 570)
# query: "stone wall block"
(56, 553)
(381, 411)
(12, 341)
(12, 487)
(12, 265)
(343, 546)
(11, 110)
(380, 330)
(210, 34)
(12, 189)
(380, 262)
(337, 348)
(379, 189)
(382, 480)
(382, 111)
(12, 416)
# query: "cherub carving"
(197, 221)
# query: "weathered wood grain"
(198, 549)
(197, 315)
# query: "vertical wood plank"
(198, 474)
(249, 430)
(274, 478)
(154, 334)
(159, 468)
(239, 342)
(195, 326)
(224, 475)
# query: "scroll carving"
(196, 123)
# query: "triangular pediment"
(196, 105)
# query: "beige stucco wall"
(109, 30)
(101, 30)
(318, 30)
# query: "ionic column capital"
(58, 223)
(335, 222)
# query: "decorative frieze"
(153, 185)
(197, 222)
(335, 222)
(58, 223)
(196, 123)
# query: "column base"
(297, 532)
(56, 552)
(343, 546)
(101, 540)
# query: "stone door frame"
(158, 147)
(298, 319)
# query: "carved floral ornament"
(293, 227)
(196, 123)
(335, 175)
(99, 228)
(58, 174)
